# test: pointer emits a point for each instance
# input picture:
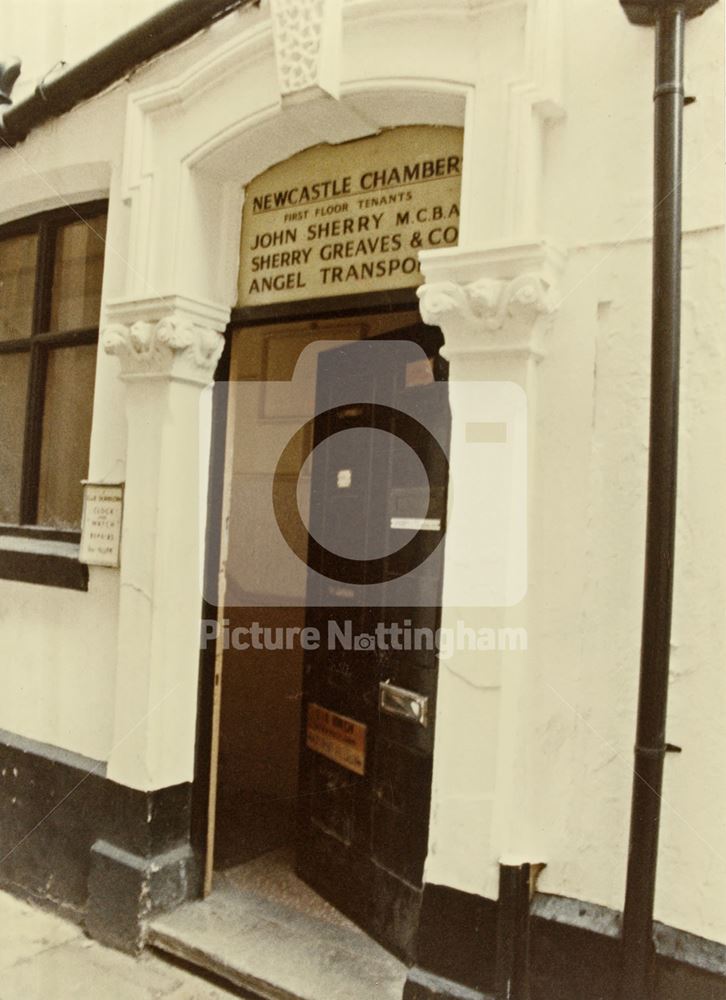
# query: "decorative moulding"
(251, 45)
(169, 337)
(534, 96)
(308, 37)
(499, 300)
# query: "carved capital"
(506, 310)
(308, 37)
(182, 344)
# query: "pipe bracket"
(654, 752)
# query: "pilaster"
(495, 307)
(168, 349)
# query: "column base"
(125, 891)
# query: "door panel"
(362, 838)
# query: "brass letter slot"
(403, 704)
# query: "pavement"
(43, 957)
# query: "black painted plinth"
(575, 953)
(105, 855)
(455, 948)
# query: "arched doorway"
(325, 744)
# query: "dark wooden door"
(378, 503)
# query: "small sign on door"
(101, 524)
(336, 737)
(416, 523)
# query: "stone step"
(288, 945)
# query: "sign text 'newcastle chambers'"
(340, 220)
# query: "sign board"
(336, 737)
(101, 524)
(341, 220)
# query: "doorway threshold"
(264, 930)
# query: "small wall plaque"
(101, 524)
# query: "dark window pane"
(17, 283)
(66, 434)
(77, 274)
(13, 393)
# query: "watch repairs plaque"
(101, 524)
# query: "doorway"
(323, 766)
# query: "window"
(51, 270)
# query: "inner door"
(376, 524)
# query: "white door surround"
(192, 143)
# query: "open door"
(376, 525)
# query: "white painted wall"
(577, 709)
(587, 187)
(587, 712)
(598, 204)
(57, 646)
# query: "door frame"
(209, 684)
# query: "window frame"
(29, 551)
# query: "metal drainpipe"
(513, 931)
(669, 16)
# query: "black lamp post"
(668, 17)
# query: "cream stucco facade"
(549, 288)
